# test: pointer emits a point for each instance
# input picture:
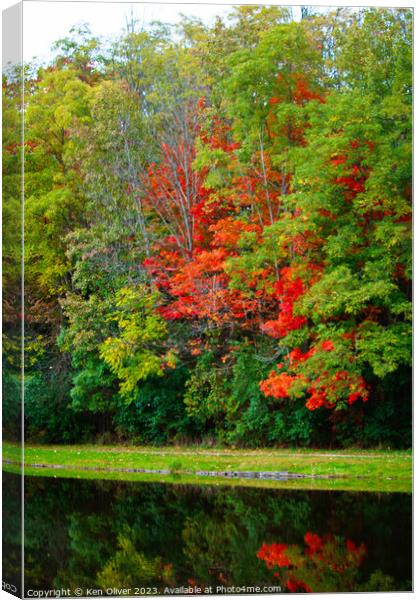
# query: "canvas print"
(207, 218)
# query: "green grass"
(347, 469)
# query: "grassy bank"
(342, 469)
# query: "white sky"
(46, 21)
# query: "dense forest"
(217, 233)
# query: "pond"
(147, 538)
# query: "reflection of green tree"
(90, 541)
(379, 582)
(47, 509)
(221, 552)
(129, 568)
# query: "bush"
(158, 414)
(49, 416)
(12, 405)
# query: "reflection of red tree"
(274, 555)
(312, 567)
(296, 586)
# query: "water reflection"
(329, 563)
(124, 535)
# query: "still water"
(157, 537)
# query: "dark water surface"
(111, 535)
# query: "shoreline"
(355, 470)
